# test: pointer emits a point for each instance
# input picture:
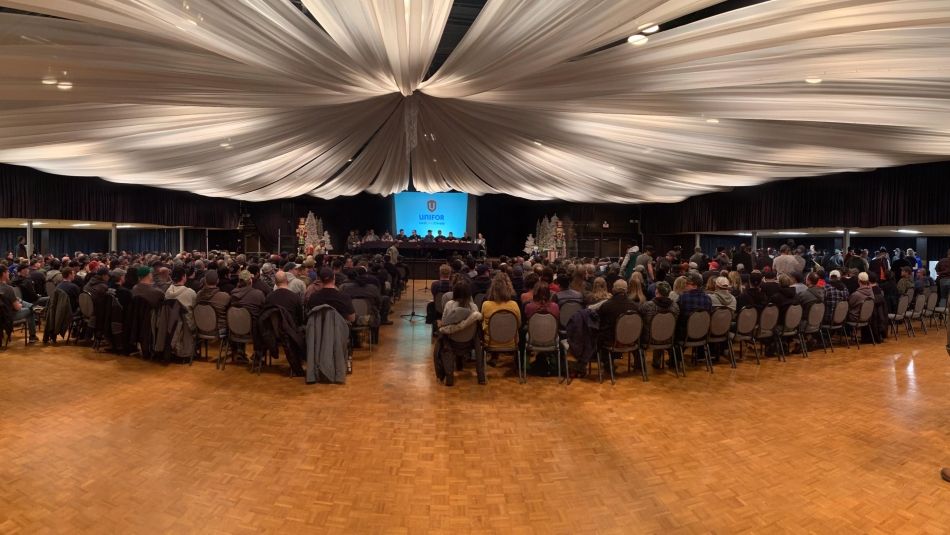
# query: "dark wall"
(340, 215)
(907, 195)
(30, 194)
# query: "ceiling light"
(813, 80)
(64, 85)
(536, 142)
(82, 224)
(790, 233)
(432, 136)
(638, 39)
(350, 160)
(842, 232)
(743, 233)
(907, 231)
(434, 160)
(712, 121)
(651, 29)
(645, 26)
(124, 226)
(49, 79)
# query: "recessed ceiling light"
(225, 145)
(651, 29)
(350, 160)
(64, 85)
(743, 233)
(638, 39)
(712, 121)
(907, 231)
(125, 226)
(791, 233)
(82, 224)
(813, 80)
(538, 143)
(49, 79)
(842, 232)
(434, 160)
(645, 26)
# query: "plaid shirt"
(834, 294)
(691, 301)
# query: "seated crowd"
(678, 285)
(119, 285)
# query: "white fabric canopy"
(250, 99)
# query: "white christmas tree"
(529, 246)
(312, 240)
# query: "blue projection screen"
(421, 212)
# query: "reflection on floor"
(850, 441)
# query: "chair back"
(840, 313)
(361, 306)
(478, 299)
(239, 322)
(205, 320)
(720, 322)
(815, 314)
(503, 328)
(867, 308)
(542, 330)
(910, 292)
(793, 317)
(768, 319)
(662, 328)
(50, 288)
(85, 305)
(919, 305)
(932, 298)
(902, 305)
(628, 329)
(745, 323)
(697, 325)
(568, 309)
(465, 335)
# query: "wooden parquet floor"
(849, 442)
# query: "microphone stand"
(412, 315)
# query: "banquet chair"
(697, 331)
(791, 328)
(812, 326)
(626, 342)
(900, 316)
(542, 337)
(502, 337)
(662, 338)
(745, 330)
(239, 332)
(863, 322)
(918, 315)
(838, 317)
(206, 323)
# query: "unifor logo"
(431, 205)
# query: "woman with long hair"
(636, 288)
(598, 293)
(541, 302)
(499, 298)
(679, 286)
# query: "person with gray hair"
(662, 303)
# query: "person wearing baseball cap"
(858, 297)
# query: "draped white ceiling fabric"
(249, 99)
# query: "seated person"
(541, 302)
(428, 237)
(857, 298)
(370, 236)
(401, 235)
(753, 295)
(218, 300)
(247, 296)
(414, 236)
(482, 280)
(660, 304)
(362, 289)
(451, 237)
(16, 309)
(284, 298)
(722, 297)
(330, 295)
(499, 298)
(612, 309)
(458, 313)
(386, 236)
(439, 238)
(576, 291)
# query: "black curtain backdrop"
(147, 240)
(907, 195)
(340, 215)
(900, 196)
(31, 194)
(61, 242)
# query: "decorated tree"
(312, 237)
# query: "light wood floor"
(838, 443)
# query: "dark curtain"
(907, 195)
(340, 215)
(61, 242)
(194, 239)
(156, 240)
(8, 239)
(32, 194)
